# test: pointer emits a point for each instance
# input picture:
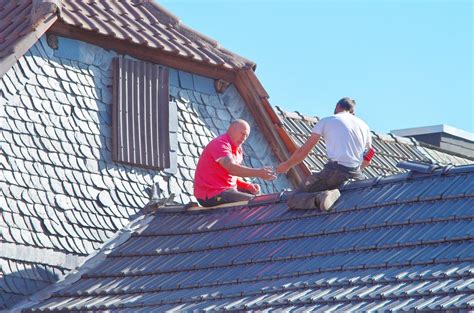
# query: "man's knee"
(232, 195)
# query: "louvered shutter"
(140, 114)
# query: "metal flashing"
(442, 128)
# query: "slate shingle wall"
(62, 196)
(403, 243)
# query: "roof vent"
(424, 168)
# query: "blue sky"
(407, 63)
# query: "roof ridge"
(297, 115)
(173, 19)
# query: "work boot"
(327, 198)
(302, 200)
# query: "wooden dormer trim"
(142, 53)
(266, 118)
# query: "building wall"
(448, 142)
(62, 195)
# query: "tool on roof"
(156, 202)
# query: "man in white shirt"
(349, 148)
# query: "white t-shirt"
(346, 137)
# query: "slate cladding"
(390, 149)
(62, 196)
(404, 242)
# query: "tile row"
(278, 293)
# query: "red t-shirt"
(210, 178)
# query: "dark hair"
(347, 104)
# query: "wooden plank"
(261, 92)
(225, 205)
(271, 112)
(254, 104)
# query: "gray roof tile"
(380, 255)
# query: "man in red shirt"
(217, 179)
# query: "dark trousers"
(332, 176)
(228, 196)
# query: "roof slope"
(401, 242)
(390, 149)
(131, 23)
(147, 24)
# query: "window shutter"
(140, 114)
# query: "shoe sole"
(329, 199)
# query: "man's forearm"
(300, 154)
(242, 171)
(297, 157)
(364, 164)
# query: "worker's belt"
(347, 168)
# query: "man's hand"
(282, 168)
(300, 154)
(254, 189)
(266, 173)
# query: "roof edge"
(425, 145)
(174, 20)
(415, 169)
(89, 263)
(138, 51)
(442, 128)
(43, 20)
(41, 8)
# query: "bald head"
(238, 132)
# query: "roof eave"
(143, 53)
